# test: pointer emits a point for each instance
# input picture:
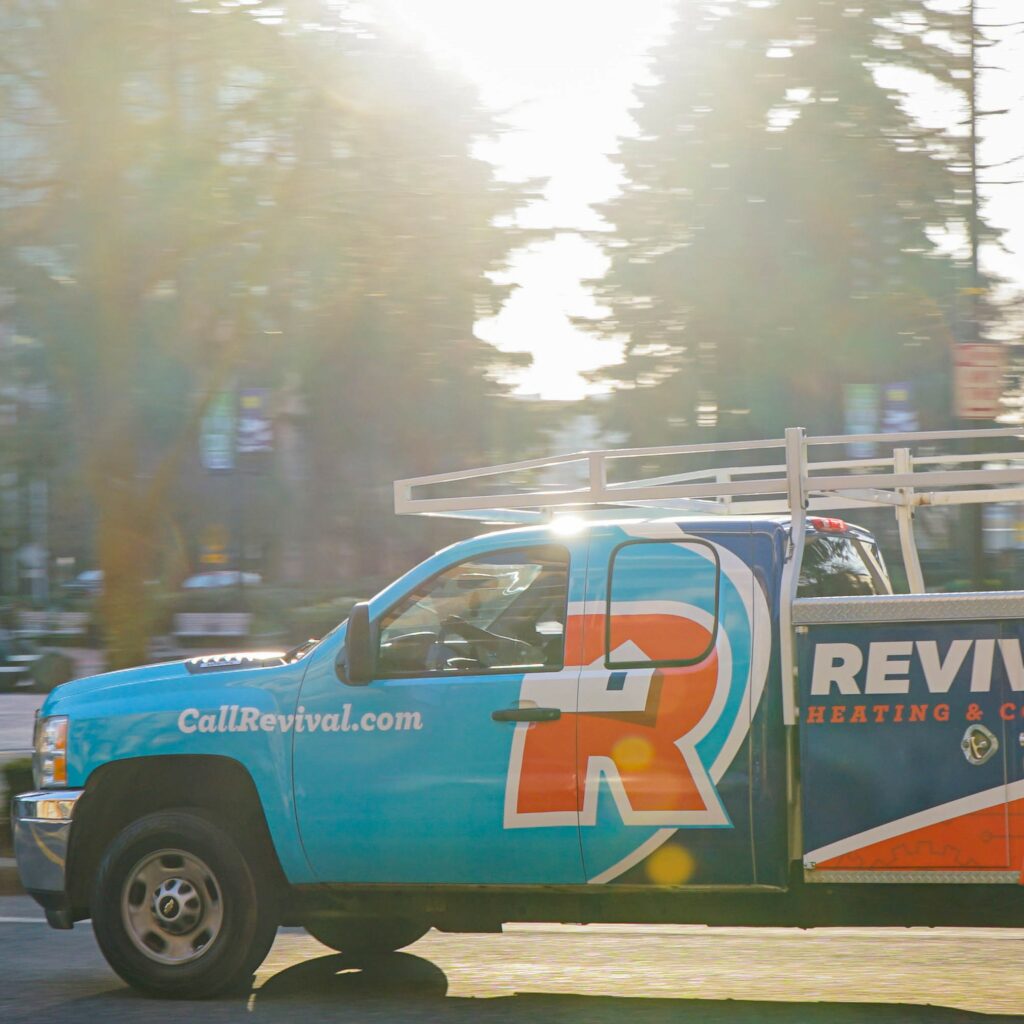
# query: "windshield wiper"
(297, 652)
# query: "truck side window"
(500, 612)
(662, 603)
(834, 567)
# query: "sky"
(562, 74)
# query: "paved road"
(538, 973)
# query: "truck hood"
(129, 680)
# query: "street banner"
(899, 414)
(217, 432)
(255, 427)
(977, 380)
(861, 404)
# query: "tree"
(780, 233)
(195, 193)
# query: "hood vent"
(246, 659)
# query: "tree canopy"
(204, 197)
(784, 229)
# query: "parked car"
(222, 578)
(89, 583)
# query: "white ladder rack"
(904, 480)
(781, 488)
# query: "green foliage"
(318, 619)
(50, 670)
(200, 197)
(17, 778)
(284, 614)
(777, 236)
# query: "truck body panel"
(911, 729)
(426, 804)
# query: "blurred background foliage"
(265, 194)
(785, 227)
(200, 198)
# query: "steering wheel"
(487, 646)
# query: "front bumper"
(42, 831)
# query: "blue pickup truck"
(670, 705)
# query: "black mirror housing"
(357, 665)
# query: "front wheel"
(366, 936)
(177, 909)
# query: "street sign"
(978, 375)
(255, 427)
(861, 402)
(217, 432)
(899, 413)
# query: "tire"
(178, 910)
(366, 936)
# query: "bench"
(52, 625)
(23, 659)
(211, 625)
(14, 677)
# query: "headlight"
(50, 763)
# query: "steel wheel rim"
(172, 907)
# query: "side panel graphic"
(909, 741)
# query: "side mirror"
(359, 656)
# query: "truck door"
(669, 686)
(417, 780)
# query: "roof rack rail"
(904, 479)
(745, 489)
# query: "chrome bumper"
(42, 831)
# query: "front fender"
(245, 715)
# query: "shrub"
(17, 776)
(317, 619)
(50, 670)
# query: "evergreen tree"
(778, 235)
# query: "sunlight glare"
(560, 77)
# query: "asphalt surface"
(541, 973)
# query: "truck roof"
(571, 524)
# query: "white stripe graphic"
(922, 819)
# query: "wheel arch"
(122, 791)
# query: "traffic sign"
(978, 380)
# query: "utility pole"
(977, 41)
(974, 512)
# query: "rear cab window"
(842, 563)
